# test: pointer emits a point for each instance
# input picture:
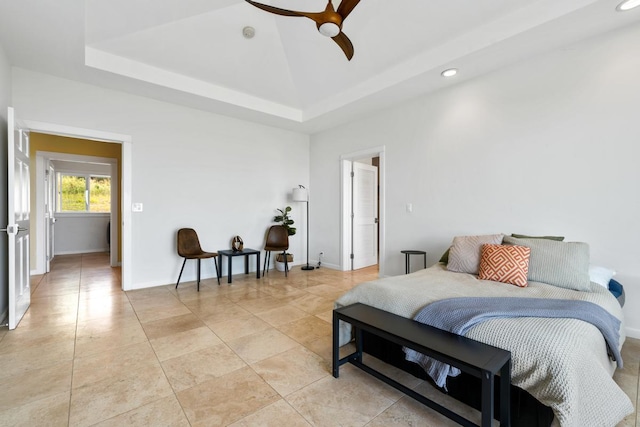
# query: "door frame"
(345, 206)
(43, 158)
(49, 219)
(125, 185)
(361, 228)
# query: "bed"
(563, 363)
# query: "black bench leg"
(358, 354)
(487, 399)
(336, 343)
(505, 395)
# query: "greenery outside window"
(83, 193)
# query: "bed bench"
(470, 356)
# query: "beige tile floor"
(256, 353)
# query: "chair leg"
(267, 256)
(218, 271)
(198, 274)
(180, 275)
(286, 264)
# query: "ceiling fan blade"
(346, 6)
(345, 44)
(276, 10)
(316, 17)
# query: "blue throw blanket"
(458, 315)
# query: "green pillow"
(445, 257)
(562, 264)
(523, 236)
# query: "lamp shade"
(300, 194)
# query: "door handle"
(13, 229)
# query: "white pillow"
(601, 275)
(464, 256)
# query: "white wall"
(221, 176)
(81, 233)
(549, 146)
(5, 101)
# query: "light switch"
(409, 207)
(136, 207)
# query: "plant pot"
(279, 263)
(280, 258)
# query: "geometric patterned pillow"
(506, 264)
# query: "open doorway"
(362, 209)
(120, 237)
(76, 202)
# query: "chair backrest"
(277, 239)
(188, 243)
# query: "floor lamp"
(300, 195)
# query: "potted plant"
(287, 223)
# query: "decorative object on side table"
(300, 194)
(237, 244)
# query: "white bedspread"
(561, 362)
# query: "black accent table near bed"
(470, 356)
(407, 253)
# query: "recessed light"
(450, 72)
(627, 5)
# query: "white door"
(18, 217)
(365, 215)
(49, 214)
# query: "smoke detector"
(248, 32)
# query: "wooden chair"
(277, 240)
(189, 248)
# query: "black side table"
(407, 253)
(246, 252)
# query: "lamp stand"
(307, 267)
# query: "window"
(83, 193)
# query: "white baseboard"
(86, 251)
(633, 333)
(327, 265)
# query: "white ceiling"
(192, 52)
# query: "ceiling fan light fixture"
(449, 72)
(329, 29)
(627, 5)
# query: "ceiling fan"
(329, 21)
